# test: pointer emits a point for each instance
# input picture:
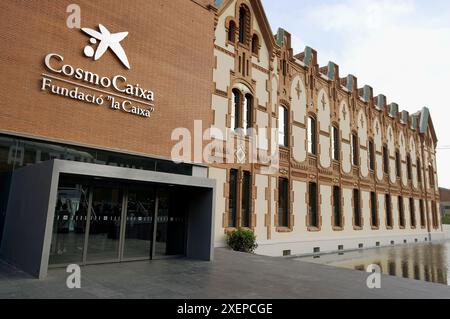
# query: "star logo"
(107, 40)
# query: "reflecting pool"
(427, 262)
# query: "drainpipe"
(424, 185)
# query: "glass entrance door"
(69, 225)
(100, 221)
(139, 223)
(105, 224)
(170, 234)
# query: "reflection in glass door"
(69, 225)
(171, 222)
(98, 221)
(139, 223)
(105, 222)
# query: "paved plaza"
(231, 275)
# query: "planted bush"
(242, 240)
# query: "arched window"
(336, 147)
(241, 111)
(371, 155)
(232, 32)
(409, 167)
(355, 150)
(244, 24)
(419, 172)
(247, 113)
(398, 166)
(385, 159)
(431, 175)
(255, 44)
(312, 136)
(283, 126)
(235, 109)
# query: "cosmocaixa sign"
(115, 92)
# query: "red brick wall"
(170, 49)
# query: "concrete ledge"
(331, 245)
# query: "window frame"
(335, 143)
(255, 44)
(372, 159)
(236, 109)
(243, 17)
(408, 167)
(355, 150)
(231, 34)
(358, 223)
(233, 200)
(312, 135)
(283, 121)
(385, 159)
(374, 216)
(337, 219)
(247, 113)
(398, 164)
(313, 207)
(401, 212)
(423, 220)
(412, 213)
(283, 203)
(388, 211)
(419, 171)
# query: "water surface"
(427, 262)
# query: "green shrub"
(446, 220)
(242, 240)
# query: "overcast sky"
(399, 47)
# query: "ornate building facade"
(352, 171)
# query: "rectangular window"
(232, 199)
(371, 156)
(419, 172)
(374, 209)
(409, 167)
(312, 205)
(401, 212)
(357, 208)
(336, 144)
(431, 175)
(385, 160)
(422, 214)
(248, 113)
(235, 114)
(412, 212)
(337, 206)
(283, 202)
(283, 126)
(355, 150)
(434, 215)
(388, 210)
(246, 199)
(312, 136)
(398, 166)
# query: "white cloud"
(364, 14)
(390, 46)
